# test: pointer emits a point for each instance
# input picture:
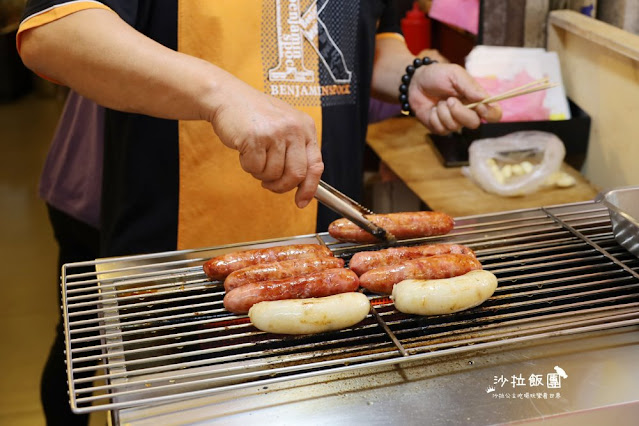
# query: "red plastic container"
(416, 29)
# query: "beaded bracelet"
(403, 88)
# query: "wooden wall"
(623, 14)
(522, 22)
(600, 68)
(501, 23)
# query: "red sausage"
(367, 260)
(221, 266)
(401, 225)
(279, 270)
(318, 284)
(382, 280)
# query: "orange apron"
(219, 202)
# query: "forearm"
(391, 58)
(101, 57)
(436, 93)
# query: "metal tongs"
(351, 210)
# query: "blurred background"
(29, 109)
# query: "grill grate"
(149, 329)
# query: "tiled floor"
(28, 258)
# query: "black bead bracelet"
(403, 88)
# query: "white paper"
(507, 63)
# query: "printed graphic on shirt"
(308, 51)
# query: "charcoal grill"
(151, 331)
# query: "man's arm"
(103, 58)
(437, 92)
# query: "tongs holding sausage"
(351, 210)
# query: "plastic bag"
(516, 164)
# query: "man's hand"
(120, 68)
(277, 143)
(437, 94)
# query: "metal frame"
(151, 329)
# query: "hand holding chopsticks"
(435, 98)
(537, 85)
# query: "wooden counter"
(403, 144)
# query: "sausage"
(401, 225)
(382, 280)
(308, 316)
(444, 296)
(318, 284)
(279, 270)
(221, 266)
(367, 260)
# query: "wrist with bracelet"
(406, 78)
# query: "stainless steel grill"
(149, 329)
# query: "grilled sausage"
(221, 266)
(401, 225)
(279, 270)
(307, 316)
(318, 284)
(382, 280)
(444, 296)
(367, 260)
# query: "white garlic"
(507, 171)
(527, 166)
(518, 170)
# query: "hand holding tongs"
(351, 210)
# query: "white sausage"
(308, 316)
(444, 296)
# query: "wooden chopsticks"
(534, 86)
